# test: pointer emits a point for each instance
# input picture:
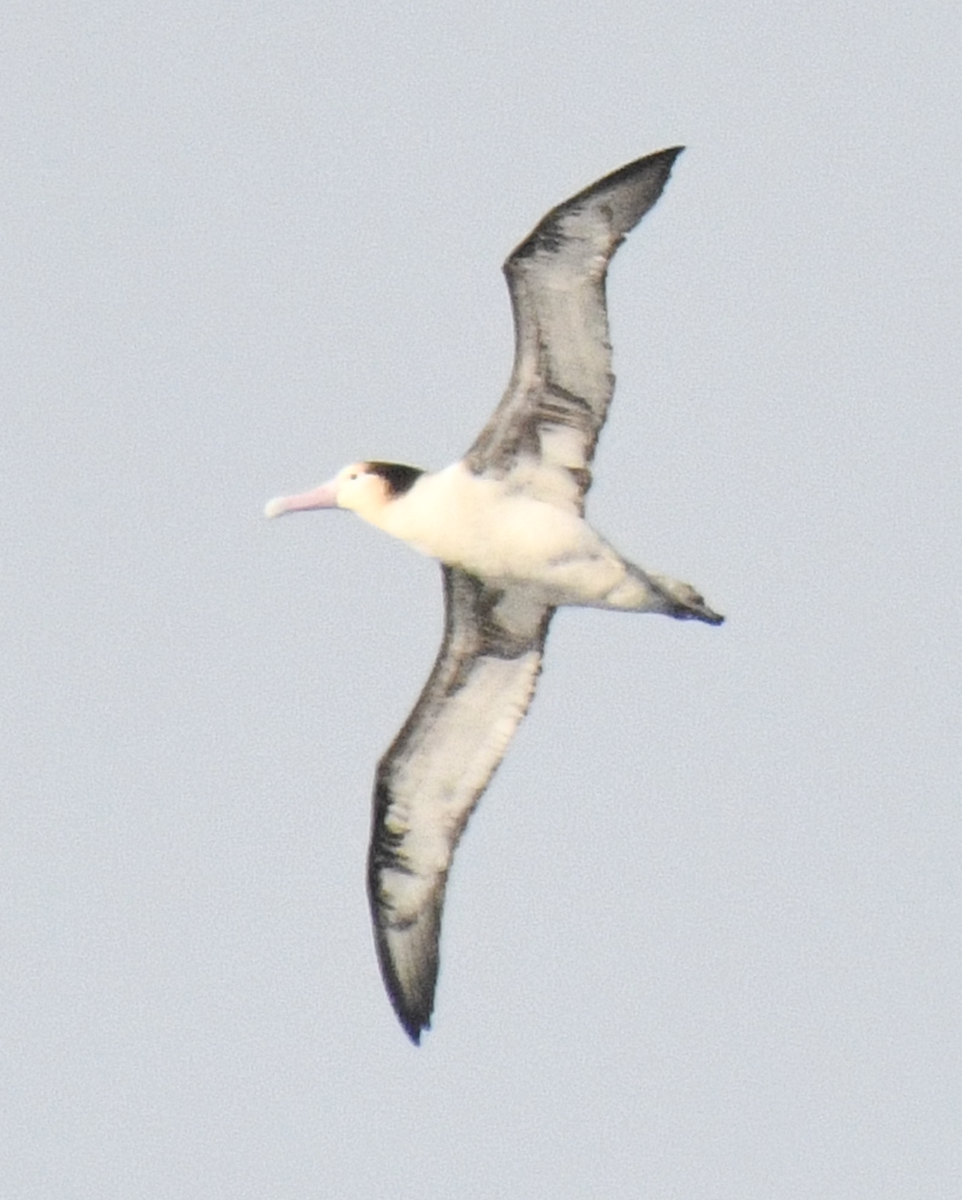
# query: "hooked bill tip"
(276, 507)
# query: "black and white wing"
(544, 431)
(434, 773)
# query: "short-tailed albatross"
(507, 525)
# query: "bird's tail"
(682, 601)
(637, 591)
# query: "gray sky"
(702, 939)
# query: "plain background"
(702, 939)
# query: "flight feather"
(544, 431)
(436, 769)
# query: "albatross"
(507, 525)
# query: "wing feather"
(434, 773)
(544, 431)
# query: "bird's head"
(365, 488)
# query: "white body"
(503, 536)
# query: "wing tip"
(659, 159)
(413, 1011)
(644, 179)
(413, 1025)
(409, 972)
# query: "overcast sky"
(703, 937)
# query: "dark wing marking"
(435, 771)
(544, 431)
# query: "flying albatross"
(507, 525)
